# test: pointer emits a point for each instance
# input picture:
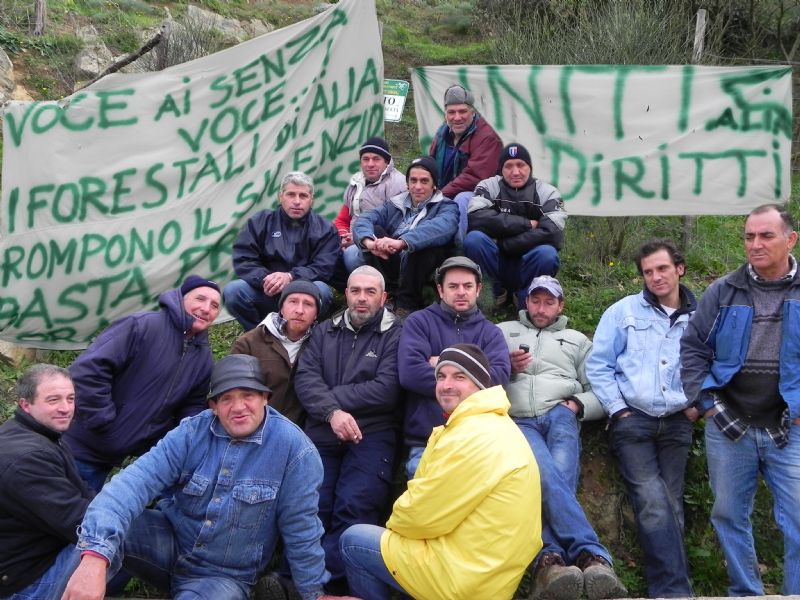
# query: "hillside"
(596, 262)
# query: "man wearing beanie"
(140, 377)
(516, 227)
(409, 235)
(549, 394)
(469, 523)
(347, 381)
(376, 182)
(278, 341)
(233, 482)
(426, 333)
(465, 149)
(276, 247)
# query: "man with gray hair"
(465, 149)
(278, 246)
(347, 381)
(43, 497)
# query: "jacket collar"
(688, 302)
(381, 322)
(558, 325)
(29, 422)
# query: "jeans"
(414, 456)
(651, 453)
(50, 586)
(554, 439)
(93, 474)
(355, 489)
(249, 306)
(462, 199)
(733, 468)
(353, 257)
(513, 273)
(367, 574)
(151, 552)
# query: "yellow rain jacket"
(470, 522)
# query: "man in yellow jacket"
(470, 521)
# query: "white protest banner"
(116, 193)
(635, 140)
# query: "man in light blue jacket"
(634, 369)
(237, 478)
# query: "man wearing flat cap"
(409, 235)
(140, 377)
(234, 480)
(469, 523)
(516, 226)
(376, 182)
(465, 149)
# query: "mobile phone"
(525, 347)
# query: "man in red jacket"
(465, 148)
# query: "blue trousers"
(366, 572)
(513, 273)
(355, 489)
(50, 586)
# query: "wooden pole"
(690, 221)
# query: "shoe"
(599, 578)
(553, 580)
(269, 587)
(402, 313)
(500, 300)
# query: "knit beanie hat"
(376, 145)
(517, 151)
(470, 360)
(457, 94)
(301, 286)
(195, 281)
(427, 163)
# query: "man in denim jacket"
(236, 478)
(634, 369)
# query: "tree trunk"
(39, 17)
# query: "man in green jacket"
(549, 394)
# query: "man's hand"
(390, 245)
(433, 360)
(371, 245)
(274, 283)
(796, 421)
(572, 405)
(534, 223)
(345, 427)
(691, 413)
(520, 360)
(88, 582)
(345, 239)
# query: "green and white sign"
(395, 92)
(119, 191)
(635, 140)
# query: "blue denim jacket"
(233, 499)
(635, 360)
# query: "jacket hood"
(171, 302)
(382, 321)
(490, 400)
(558, 325)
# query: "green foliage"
(11, 42)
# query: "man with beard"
(278, 342)
(347, 382)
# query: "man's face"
(543, 308)
(661, 276)
(364, 298)
(458, 117)
(459, 289)
(296, 200)
(240, 410)
(300, 312)
(372, 165)
(767, 244)
(420, 185)
(203, 304)
(516, 172)
(453, 387)
(54, 403)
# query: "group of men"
(299, 444)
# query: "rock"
(7, 83)
(256, 27)
(231, 29)
(16, 354)
(95, 56)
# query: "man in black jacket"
(516, 226)
(42, 497)
(347, 382)
(276, 247)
